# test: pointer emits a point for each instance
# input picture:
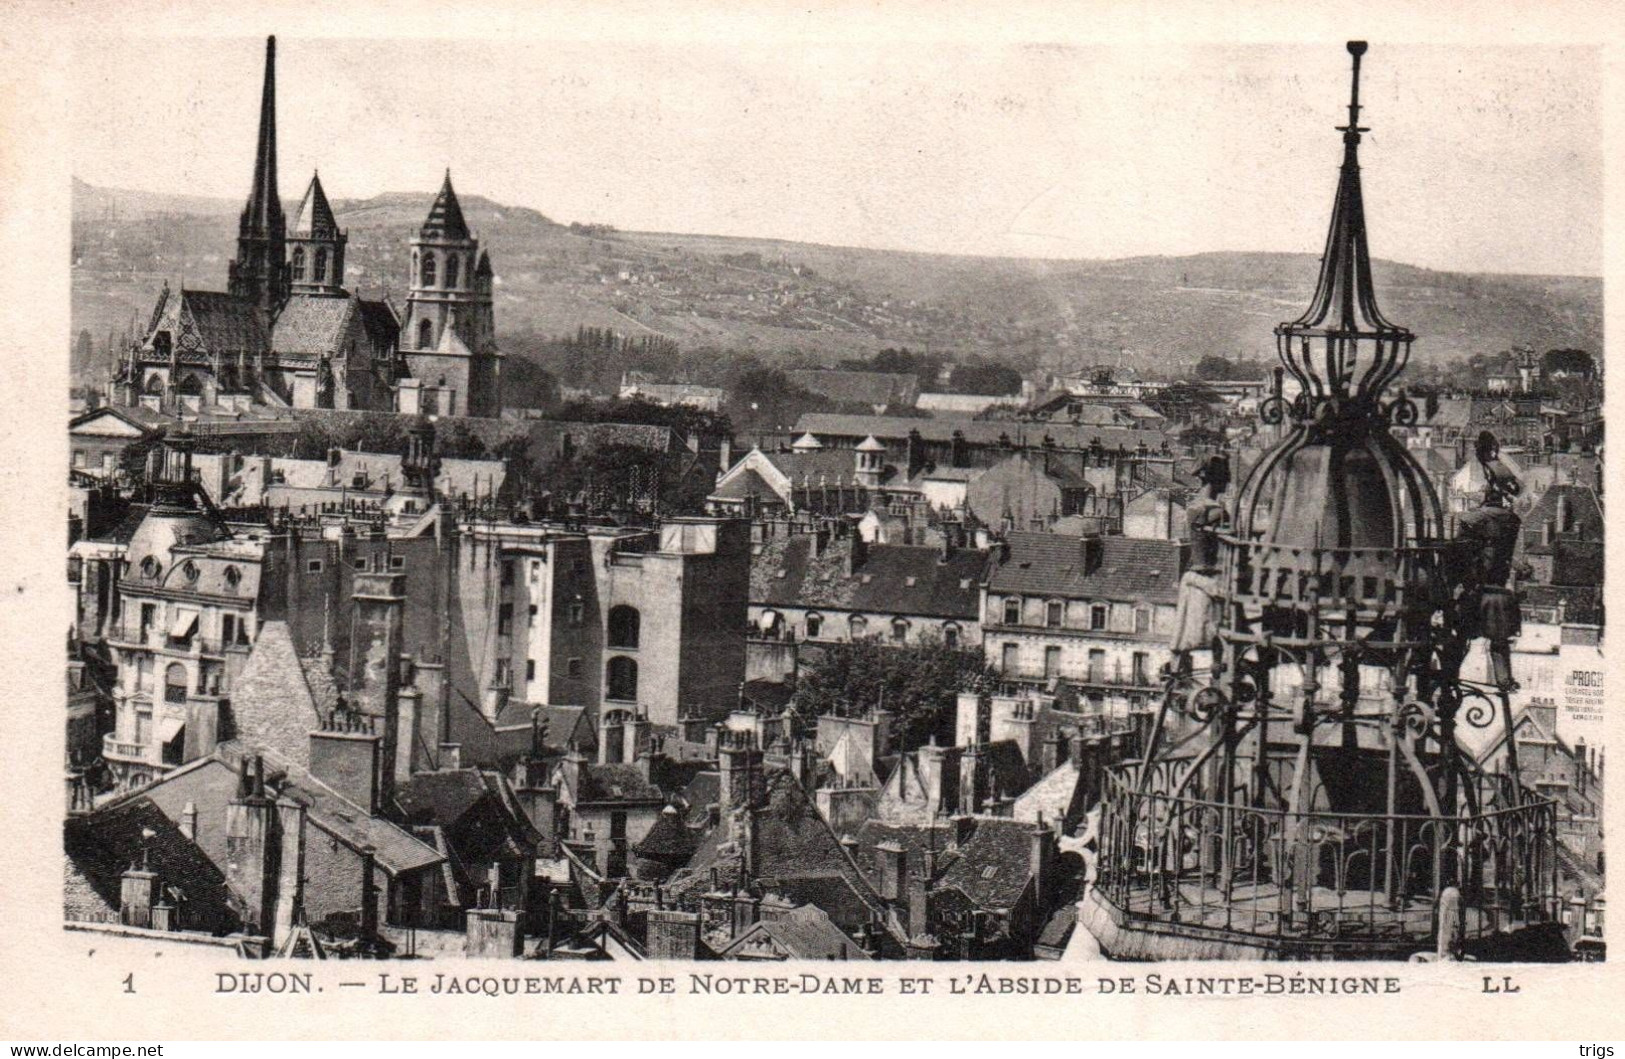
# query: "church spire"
(1342, 346)
(259, 274)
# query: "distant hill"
(817, 304)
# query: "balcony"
(1144, 682)
(114, 749)
(153, 638)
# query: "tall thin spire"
(264, 205)
(260, 272)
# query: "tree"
(919, 684)
(991, 379)
(1568, 362)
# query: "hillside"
(821, 303)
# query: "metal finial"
(1351, 131)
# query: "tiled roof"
(669, 840)
(1584, 512)
(895, 429)
(815, 466)
(221, 324)
(1129, 570)
(315, 216)
(124, 529)
(104, 844)
(892, 579)
(746, 483)
(994, 864)
(469, 806)
(379, 321)
(703, 791)
(272, 706)
(857, 387)
(1581, 603)
(914, 839)
(804, 933)
(616, 783)
(312, 324)
(446, 215)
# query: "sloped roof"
(315, 216)
(221, 324)
(124, 528)
(272, 706)
(994, 864)
(616, 783)
(378, 318)
(102, 845)
(312, 324)
(803, 933)
(1584, 512)
(669, 840)
(1130, 570)
(446, 215)
(981, 432)
(746, 483)
(892, 579)
(856, 387)
(468, 805)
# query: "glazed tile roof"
(1129, 570)
(892, 579)
(220, 324)
(312, 324)
(446, 215)
(315, 216)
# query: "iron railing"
(1207, 867)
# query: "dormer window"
(1012, 610)
(151, 567)
(189, 570)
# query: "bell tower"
(448, 335)
(316, 245)
(260, 272)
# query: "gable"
(105, 423)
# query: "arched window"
(622, 679)
(451, 271)
(155, 383)
(857, 625)
(428, 270)
(298, 264)
(175, 683)
(319, 273)
(623, 626)
(899, 630)
(191, 385)
(950, 634)
(815, 625)
(425, 335)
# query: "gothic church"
(287, 334)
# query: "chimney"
(929, 759)
(571, 767)
(802, 764)
(375, 664)
(892, 862)
(1094, 549)
(970, 780)
(857, 555)
(672, 935)
(1563, 525)
(957, 451)
(739, 771)
(636, 740)
(611, 737)
(189, 821)
(253, 849)
(138, 892)
(1051, 752)
(345, 755)
(915, 452)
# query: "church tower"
(260, 272)
(448, 335)
(316, 246)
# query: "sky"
(1479, 158)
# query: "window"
(624, 625)
(505, 620)
(1141, 667)
(1097, 616)
(533, 611)
(1012, 610)
(319, 273)
(1097, 666)
(313, 567)
(397, 562)
(451, 271)
(234, 577)
(143, 673)
(1052, 662)
(578, 612)
(950, 634)
(572, 668)
(507, 571)
(1054, 610)
(899, 630)
(299, 264)
(1008, 660)
(622, 679)
(78, 457)
(857, 625)
(228, 628)
(535, 571)
(530, 669)
(815, 624)
(1142, 619)
(428, 270)
(175, 683)
(503, 673)
(362, 563)
(425, 335)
